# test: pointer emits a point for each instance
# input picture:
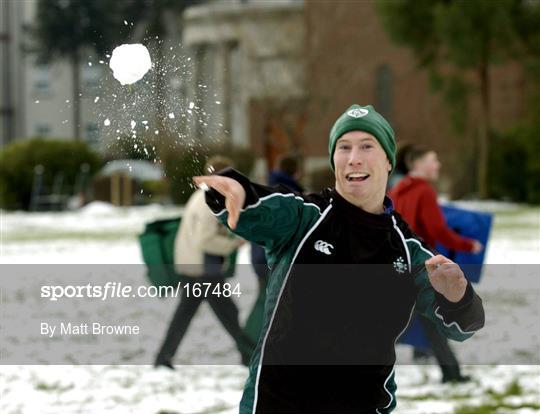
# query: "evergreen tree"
(459, 41)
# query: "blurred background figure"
(287, 174)
(401, 168)
(416, 200)
(201, 247)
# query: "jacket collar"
(359, 216)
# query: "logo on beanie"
(358, 112)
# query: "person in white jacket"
(201, 249)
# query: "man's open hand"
(234, 194)
(446, 278)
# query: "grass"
(496, 404)
(493, 408)
(42, 386)
(513, 389)
(433, 397)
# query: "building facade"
(268, 75)
(252, 55)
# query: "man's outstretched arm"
(265, 215)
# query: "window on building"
(384, 91)
(42, 81)
(91, 134)
(42, 130)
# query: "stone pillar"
(223, 90)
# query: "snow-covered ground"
(102, 234)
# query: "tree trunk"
(8, 111)
(75, 67)
(484, 129)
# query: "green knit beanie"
(364, 118)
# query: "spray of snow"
(130, 62)
(164, 115)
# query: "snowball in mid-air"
(130, 62)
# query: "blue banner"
(471, 224)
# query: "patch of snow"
(198, 388)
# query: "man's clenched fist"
(446, 278)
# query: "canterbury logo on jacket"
(342, 288)
(323, 247)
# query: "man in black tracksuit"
(346, 275)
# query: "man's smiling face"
(361, 170)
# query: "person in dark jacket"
(287, 174)
(346, 275)
(416, 200)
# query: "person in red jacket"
(416, 200)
